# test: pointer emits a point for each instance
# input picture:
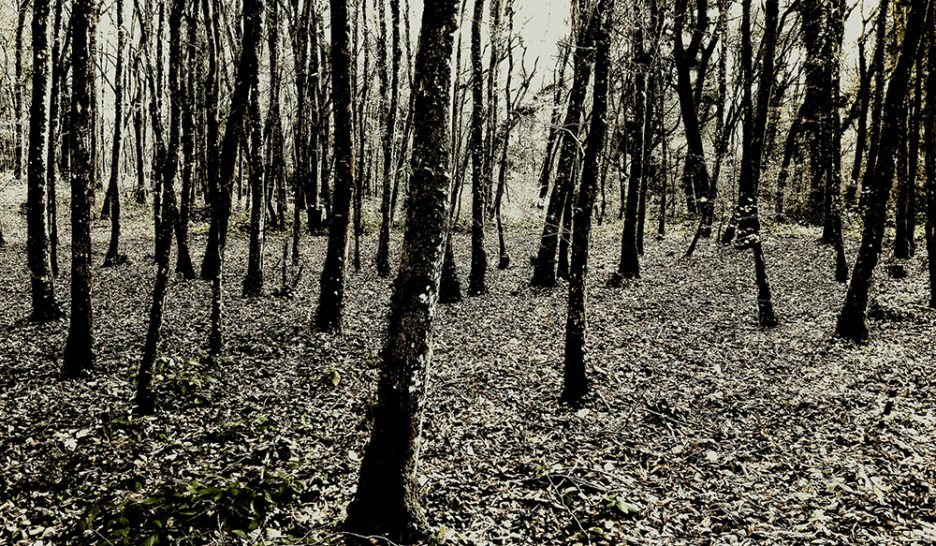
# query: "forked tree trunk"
(575, 387)
(877, 183)
(386, 503)
(544, 266)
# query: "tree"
(386, 213)
(79, 348)
(332, 284)
(629, 264)
(247, 73)
(851, 320)
(387, 499)
(113, 194)
(576, 382)
(253, 280)
(930, 145)
(44, 306)
(544, 266)
(754, 123)
(476, 277)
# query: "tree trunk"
(851, 320)
(544, 273)
(575, 387)
(331, 295)
(476, 278)
(113, 192)
(44, 307)
(629, 264)
(877, 105)
(20, 85)
(233, 133)
(752, 150)
(387, 499)
(930, 147)
(383, 246)
(79, 348)
(253, 280)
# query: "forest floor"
(704, 428)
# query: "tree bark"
(544, 272)
(383, 244)
(331, 295)
(754, 125)
(930, 165)
(44, 306)
(387, 499)
(476, 277)
(79, 348)
(113, 256)
(253, 280)
(575, 388)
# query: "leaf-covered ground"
(704, 428)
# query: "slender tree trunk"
(754, 129)
(44, 307)
(387, 500)
(476, 278)
(629, 264)
(383, 244)
(233, 134)
(253, 280)
(555, 130)
(186, 84)
(20, 86)
(79, 348)
(877, 105)
(575, 387)
(851, 320)
(331, 295)
(58, 68)
(113, 192)
(930, 146)
(544, 272)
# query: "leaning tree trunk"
(544, 267)
(113, 194)
(851, 320)
(575, 386)
(332, 284)
(476, 277)
(79, 348)
(877, 102)
(233, 134)
(754, 125)
(386, 503)
(44, 307)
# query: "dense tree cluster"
(329, 118)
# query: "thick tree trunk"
(851, 320)
(44, 307)
(79, 348)
(476, 277)
(331, 294)
(575, 387)
(387, 499)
